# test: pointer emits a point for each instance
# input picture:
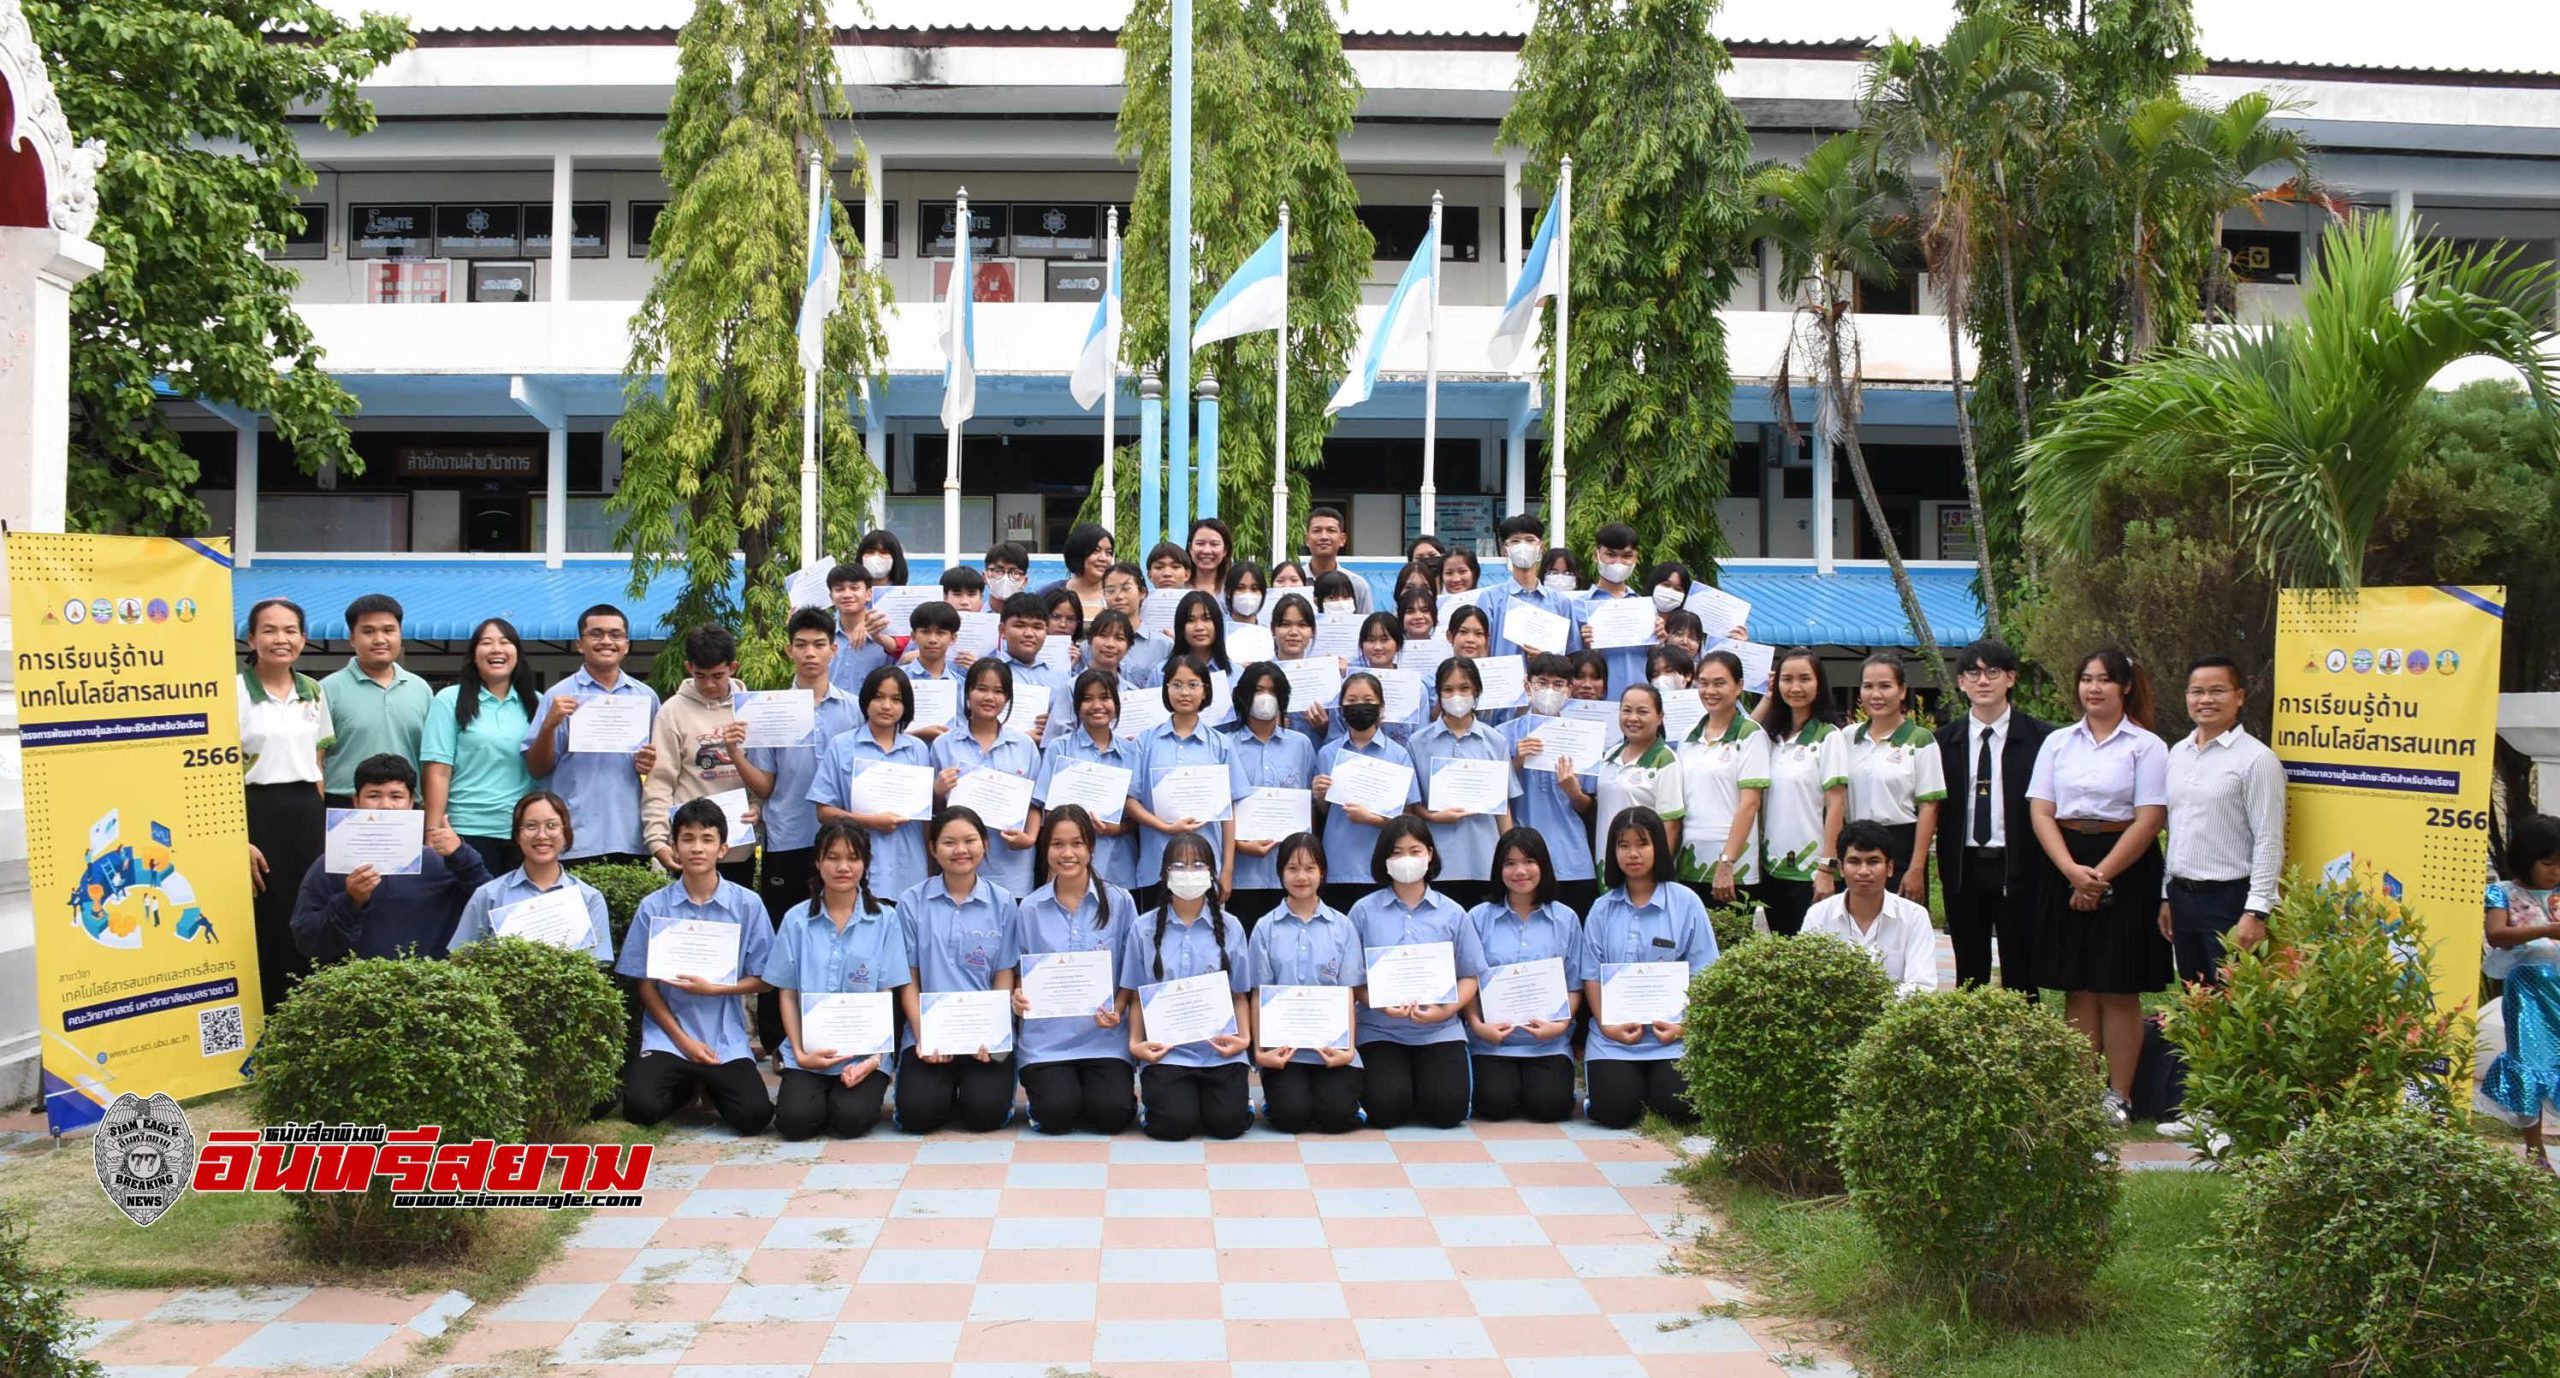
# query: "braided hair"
(1184, 848)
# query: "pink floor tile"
(1510, 1261)
(880, 1371)
(1038, 1150)
(955, 1177)
(908, 1301)
(1517, 1129)
(658, 1301)
(1597, 1229)
(1439, 1368)
(588, 1265)
(172, 1342)
(1550, 1337)
(1665, 1292)
(487, 1341)
(715, 1232)
(1160, 1176)
(1041, 1265)
(687, 1151)
(1658, 1200)
(838, 1205)
(1355, 1176)
(1300, 1341)
(1554, 1175)
(662, 1201)
(1625, 1151)
(766, 1176)
(355, 1306)
(1375, 1301)
(1202, 1370)
(1276, 1265)
(607, 1371)
(1257, 1151)
(1404, 1232)
(1159, 1301)
(868, 1151)
(803, 1266)
(1027, 1342)
(1263, 1204)
(1443, 1202)
(123, 1304)
(390, 1355)
(1159, 1234)
(760, 1342)
(1442, 1151)
(1074, 1205)
(934, 1234)
(1713, 1366)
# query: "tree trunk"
(2017, 374)
(1836, 381)
(2143, 329)
(1972, 475)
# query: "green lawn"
(1815, 1260)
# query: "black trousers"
(1786, 903)
(1186, 1102)
(1524, 1088)
(2201, 914)
(657, 1085)
(1430, 1082)
(1311, 1098)
(740, 873)
(286, 823)
(1250, 905)
(1096, 1094)
(783, 885)
(977, 1096)
(499, 854)
(1577, 895)
(1466, 894)
(1980, 910)
(1622, 1089)
(814, 1103)
(1903, 835)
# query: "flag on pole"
(1255, 299)
(825, 281)
(960, 332)
(1100, 360)
(1396, 321)
(1540, 273)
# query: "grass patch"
(1815, 1260)
(243, 1240)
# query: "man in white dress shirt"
(1869, 916)
(2226, 827)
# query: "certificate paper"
(1030, 701)
(1644, 992)
(1193, 1009)
(979, 632)
(855, 1025)
(1423, 657)
(1270, 814)
(1337, 634)
(616, 724)
(1682, 711)
(734, 805)
(1068, 985)
(780, 717)
(957, 1023)
(1579, 740)
(1155, 618)
(1057, 653)
(1003, 801)
(1524, 992)
(1756, 658)
(1617, 622)
(706, 948)
(1141, 711)
(1248, 642)
(1506, 682)
(893, 787)
(1399, 693)
(1206, 793)
(937, 702)
(558, 918)
(1470, 786)
(391, 841)
(1532, 628)
(1412, 974)
(1100, 790)
(1718, 611)
(1382, 787)
(1600, 711)
(899, 604)
(1305, 1017)
(1315, 680)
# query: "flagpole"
(1431, 381)
(1177, 376)
(960, 270)
(809, 406)
(1111, 382)
(1564, 299)
(1280, 440)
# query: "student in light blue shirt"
(1076, 1072)
(1266, 755)
(542, 836)
(841, 940)
(1632, 1067)
(1025, 632)
(1413, 1057)
(603, 788)
(1094, 740)
(1465, 840)
(1185, 739)
(694, 1036)
(779, 779)
(1306, 942)
(981, 741)
(859, 639)
(1525, 1070)
(959, 929)
(888, 706)
(1351, 830)
(1192, 1088)
(1538, 800)
(1524, 549)
(933, 627)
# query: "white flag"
(824, 282)
(959, 330)
(1541, 272)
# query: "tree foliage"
(1633, 93)
(1272, 99)
(712, 420)
(202, 173)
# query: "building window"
(644, 222)
(1398, 231)
(990, 226)
(502, 280)
(590, 228)
(401, 231)
(888, 225)
(481, 231)
(311, 238)
(2264, 255)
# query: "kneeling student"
(1631, 1066)
(695, 1036)
(1076, 1071)
(840, 941)
(1200, 1087)
(959, 928)
(1306, 942)
(1524, 1070)
(542, 836)
(1870, 916)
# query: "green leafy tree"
(712, 415)
(202, 172)
(1633, 93)
(1272, 99)
(2187, 165)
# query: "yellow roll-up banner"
(137, 832)
(2386, 715)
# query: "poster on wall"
(146, 962)
(2386, 711)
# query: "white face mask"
(1559, 581)
(1546, 703)
(1665, 597)
(877, 565)
(1522, 554)
(1187, 885)
(1337, 605)
(1670, 684)
(1246, 603)
(1265, 707)
(1002, 586)
(1616, 572)
(1458, 705)
(1407, 870)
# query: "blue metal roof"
(445, 599)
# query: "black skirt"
(2117, 948)
(286, 823)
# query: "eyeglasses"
(2213, 691)
(1187, 867)
(1979, 672)
(608, 637)
(542, 828)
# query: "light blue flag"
(1540, 275)
(960, 331)
(1255, 299)
(1095, 366)
(824, 282)
(1403, 311)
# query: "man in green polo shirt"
(378, 707)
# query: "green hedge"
(623, 885)
(569, 1016)
(37, 1325)
(1770, 1023)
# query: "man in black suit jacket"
(1988, 862)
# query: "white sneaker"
(2116, 1110)
(2174, 1129)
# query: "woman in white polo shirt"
(284, 734)
(1895, 776)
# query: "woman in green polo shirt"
(475, 768)
(1895, 776)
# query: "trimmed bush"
(1973, 1143)
(1733, 927)
(2334, 1015)
(1770, 1023)
(2386, 1245)
(623, 885)
(398, 1043)
(37, 1324)
(570, 1017)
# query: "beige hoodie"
(689, 766)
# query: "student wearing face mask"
(883, 557)
(1465, 840)
(1265, 753)
(1414, 1056)
(1351, 830)
(1247, 592)
(1523, 551)
(1615, 552)
(1008, 568)
(1538, 798)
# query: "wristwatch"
(1827, 863)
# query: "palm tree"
(2188, 165)
(2314, 418)
(1833, 219)
(1968, 104)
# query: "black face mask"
(1361, 716)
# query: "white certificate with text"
(1314, 681)
(1533, 628)
(1579, 740)
(847, 1024)
(1523, 992)
(1002, 801)
(1068, 985)
(1193, 1009)
(1204, 793)
(1382, 787)
(391, 841)
(1304, 1017)
(894, 788)
(937, 702)
(615, 724)
(556, 917)
(1644, 992)
(1100, 790)
(707, 948)
(778, 717)
(959, 1023)
(1471, 787)
(1616, 622)
(1412, 974)
(1270, 814)
(1030, 703)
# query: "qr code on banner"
(218, 1031)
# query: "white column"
(244, 487)
(544, 405)
(1515, 446)
(562, 203)
(875, 435)
(38, 269)
(2404, 216)
(1823, 559)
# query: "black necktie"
(1982, 792)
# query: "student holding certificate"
(1351, 826)
(1463, 833)
(381, 910)
(1093, 742)
(542, 836)
(888, 701)
(1075, 1066)
(1520, 1029)
(1724, 770)
(1266, 755)
(932, 628)
(959, 932)
(1632, 1066)
(1307, 943)
(1382, 640)
(1182, 740)
(1539, 801)
(1199, 1086)
(983, 742)
(841, 941)
(1413, 1050)
(1293, 631)
(694, 948)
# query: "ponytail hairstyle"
(1072, 816)
(1184, 848)
(854, 835)
(1779, 716)
(2127, 674)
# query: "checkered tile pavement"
(1489, 1251)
